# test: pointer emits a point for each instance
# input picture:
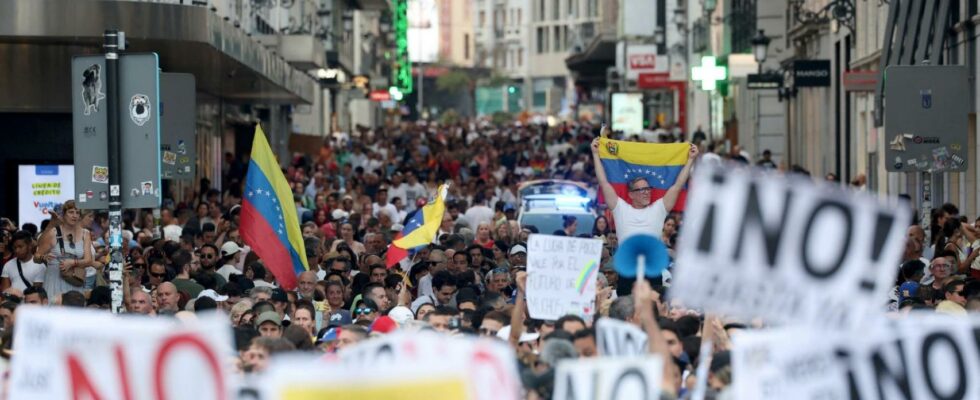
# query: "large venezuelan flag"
(660, 163)
(268, 220)
(420, 230)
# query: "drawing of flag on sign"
(658, 163)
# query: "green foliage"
(453, 81)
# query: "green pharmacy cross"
(708, 73)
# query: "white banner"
(761, 244)
(619, 338)
(924, 356)
(63, 353)
(42, 187)
(609, 378)
(627, 113)
(401, 365)
(561, 276)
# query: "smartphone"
(454, 323)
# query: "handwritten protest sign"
(609, 378)
(403, 365)
(619, 338)
(760, 244)
(924, 356)
(71, 353)
(561, 276)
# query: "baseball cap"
(518, 248)
(279, 295)
(384, 324)
(328, 335)
(212, 294)
(504, 334)
(400, 314)
(269, 316)
(908, 290)
(339, 318)
(339, 214)
(229, 248)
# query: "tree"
(454, 81)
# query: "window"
(518, 16)
(572, 8)
(542, 46)
(483, 18)
(556, 43)
(541, 13)
(466, 46)
(556, 10)
(592, 8)
(520, 57)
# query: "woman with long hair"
(66, 248)
(601, 227)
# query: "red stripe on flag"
(655, 194)
(258, 234)
(395, 254)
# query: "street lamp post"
(760, 47)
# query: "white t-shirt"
(478, 214)
(32, 271)
(631, 220)
(227, 270)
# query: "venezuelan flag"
(420, 230)
(660, 163)
(268, 221)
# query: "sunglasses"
(139, 265)
(208, 256)
(641, 190)
(363, 311)
(160, 275)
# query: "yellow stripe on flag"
(425, 234)
(435, 389)
(652, 154)
(263, 157)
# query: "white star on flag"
(251, 194)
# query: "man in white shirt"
(397, 188)
(21, 271)
(414, 190)
(479, 212)
(230, 252)
(383, 204)
(641, 217)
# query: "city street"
(489, 199)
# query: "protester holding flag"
(652, 175)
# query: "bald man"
(306, 285)
(167, 298)
(140, 303)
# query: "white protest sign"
(761, 244)
(619, 338)
(40, 188)
(63, 353)
(561, 276)
(609, 378)
(924, 356)
(423, 365)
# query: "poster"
(423, 31)
(609, 378)
(786, 249)
(620, 338)
(561, 276)
(627, 113)
(924, 356)
(71, 354)
(40, 188)
(405, 365)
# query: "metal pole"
(111, 46)
(421, 89)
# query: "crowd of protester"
(353, 197)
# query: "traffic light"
(512, 89)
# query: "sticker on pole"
(786, 249)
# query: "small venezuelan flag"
(420, 230)
(660, 163)
(268, 221)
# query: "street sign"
(765, 81)
(178, 124)
(927, 118)
(89, 132)
(708, 73)
(860, 81)
(139, 126)
(811, 73)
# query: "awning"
(591, 64)
(39, 37)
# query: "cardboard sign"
(561, 276)
(924, 356)
(619, 338)
(760, 244)
(609, 378)
(81, 354)
(401, 365)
